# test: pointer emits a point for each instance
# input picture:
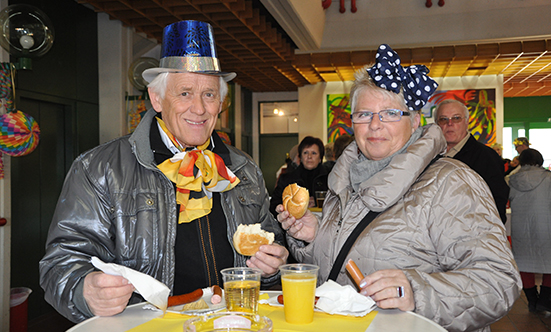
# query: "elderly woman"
(530, 219)
(438, 246)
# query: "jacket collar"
(141, 145)
(387, 186)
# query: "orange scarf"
(211, 175)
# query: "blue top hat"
(188, 47)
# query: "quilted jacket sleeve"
(478, 281)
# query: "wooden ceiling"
(251, 44)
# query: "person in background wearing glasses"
(453, 117)
(438, 247)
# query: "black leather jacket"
(117, 205)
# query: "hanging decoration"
(19, 134)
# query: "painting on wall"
(338, 116)
(136, 107)
(482, 110)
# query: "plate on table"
(199, 307)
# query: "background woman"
(310, 174)
(530, 199)
(438, 247)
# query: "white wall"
(412, 24)
(114, 58)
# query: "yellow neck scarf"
(200, 171)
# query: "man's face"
(521, 148)
(190, 107)
(453, 132)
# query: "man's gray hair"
(452, 101)
(159, 85)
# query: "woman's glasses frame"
(389, 115)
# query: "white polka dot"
(427, 88)
(394, 85)
(418, 92)
(383, 86)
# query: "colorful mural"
(480, 102)
(338, 116)
(482, 110)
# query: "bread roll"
(248, 238)
(295, 200)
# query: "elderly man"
(453, 117)
(165, 200)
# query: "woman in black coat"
(310, 174)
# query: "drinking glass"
(299, 291)
(241, 289)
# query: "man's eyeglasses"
(390, 115)
(444, 120)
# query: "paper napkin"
(152, 290)
(342, 300)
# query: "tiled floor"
(517, 320)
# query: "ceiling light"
(281, 113)
(276, 111)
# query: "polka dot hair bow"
(387, 73)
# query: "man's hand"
(268, 259)
(303, 229)
(105, 294)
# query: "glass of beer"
(241, 289)
(299, 291)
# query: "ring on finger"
(401, 292)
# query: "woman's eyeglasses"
(444, 121)
(390, 115)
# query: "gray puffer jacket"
(117, 205)
(440, 226)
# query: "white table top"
(134, 315)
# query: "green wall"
(527, 110)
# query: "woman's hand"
(385, 288)
(303, 229)
(269, 258)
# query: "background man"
(165, 200)
(453, 117)
(521, 144)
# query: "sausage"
(355, 272)
(216, 294)
(280, 299)
(185, 298)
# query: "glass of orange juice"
(299, 291)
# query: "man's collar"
(455, 150)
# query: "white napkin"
(152, 290)
(343, 300)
